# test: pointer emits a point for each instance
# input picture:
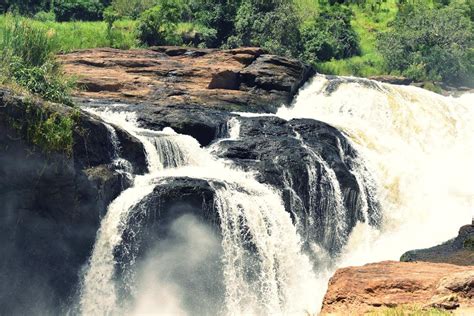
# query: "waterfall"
(415, 153)
(334, 228)
(120, 165)
(265, 270)
(418, 146)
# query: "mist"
(182, 273)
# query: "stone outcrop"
(459, 250)
(244, 79)
(400, 80)
(298, 157)
(392, 284)
(51, 202)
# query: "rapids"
(419, 148)
(415, 158)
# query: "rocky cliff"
(377, 286)
(52, 199)
(244, 79)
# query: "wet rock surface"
(298, 157)
(151, 221)
(51, 204)
(391, 284)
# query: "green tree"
(217, 15)
(330, 35)
(272, 24)
(158, 24)
(26, 7)
(433, 44)
(132, 8)
(84, 10)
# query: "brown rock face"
(391, 284)
(239, 79)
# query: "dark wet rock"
(283, 152)
(150, 221)
(178, 222)
(335, 82)
(400, 80)
(51, 204)
(171, 198)
(205, 125)
(459, 250)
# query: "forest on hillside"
(425, 40)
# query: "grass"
(71, 36)
(27, 59)
(28, 66)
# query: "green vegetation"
(272, 24)
(420, 39)
(49, 129)
(367, 24)
(430, 44)
(45, 125)
(27, 60)
(157, 25)
(330, 35)
(69, 36)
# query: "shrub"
(27, 57)
(157, 25)
(196, 35)
(44, 16)
(273, 25)
(330, 35)
(20, 38)
(84, 10)
(43, 80)
(131, 8)
(428, 44)
(49, 129)
(217, 16)
(26, 7)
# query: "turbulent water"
(416, 153)
(418, 146)
(246, 208)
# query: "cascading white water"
(98, 293)
(417, 145)
(335, 226)
(252, 214)
(419, 148)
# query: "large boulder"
(310, 162)
(153, 223)
(377, 286)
